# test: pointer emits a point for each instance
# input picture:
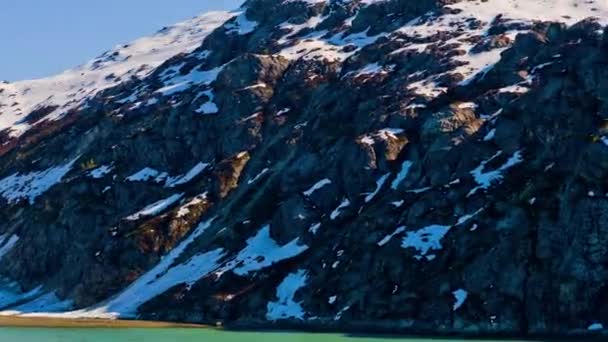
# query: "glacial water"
(184, 335)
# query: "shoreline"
(349, 330)
(88, 323)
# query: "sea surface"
(183, 335)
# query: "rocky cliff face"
(427, 166)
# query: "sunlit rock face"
(415, 166)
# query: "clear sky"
(44, 37)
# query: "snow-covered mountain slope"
(428, 166)
(57, 95)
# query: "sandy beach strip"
(44, 322)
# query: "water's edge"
(396, 330)
(350, 329)
(52, 322)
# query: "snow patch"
(261, 251)
(405, 170)
(48, 302)
(188, 177)
(484, 179)
(595, 327)
(379, 184)
(11, 294)
(460, 297)
(389, 237)
(425, 240)
(286, 307)
(7, 244)
(320, 184)
(101, 171)
(314, 228)
(143, 175)
(241, 25)
(345, 204)
(32, 185)
(155, 208)
(258, 176)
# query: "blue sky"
(44, 37)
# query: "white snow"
(428, 238)
(379, 184)
(180, 83)
(162, 277)
(315, 228)
(143, 175)
(286, 307)
(241, 25)
(48, 302)
(320, 184)
(367, 140)
(188, 177)
(258, 176)
(566, 11)
(148, 174)
(154, 282)
(208, 107)
(595, 327)
(490, 135)
(175, 83)
(314, 2)
(261, 251)
(460, 297)
(398, 204)
(467, 105)
(420, 190)
(467, 217)
(6, 244)
(283, 111)
(389, 133)
(484, 179)
(317, 46)
(371, 69)
(425, 240)
(185, 208)
(11, 294)
(345, 203)
(382, 134)
(101, 171)
(462, 13)
(155, 208)
(31, 185)
(341, 312)
(389, 237)
(71, 89)
(309, 2)
(405, 170)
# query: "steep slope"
(428, 166)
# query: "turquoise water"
(178, 335)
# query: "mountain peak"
(70, 90)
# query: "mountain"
(430, 166)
